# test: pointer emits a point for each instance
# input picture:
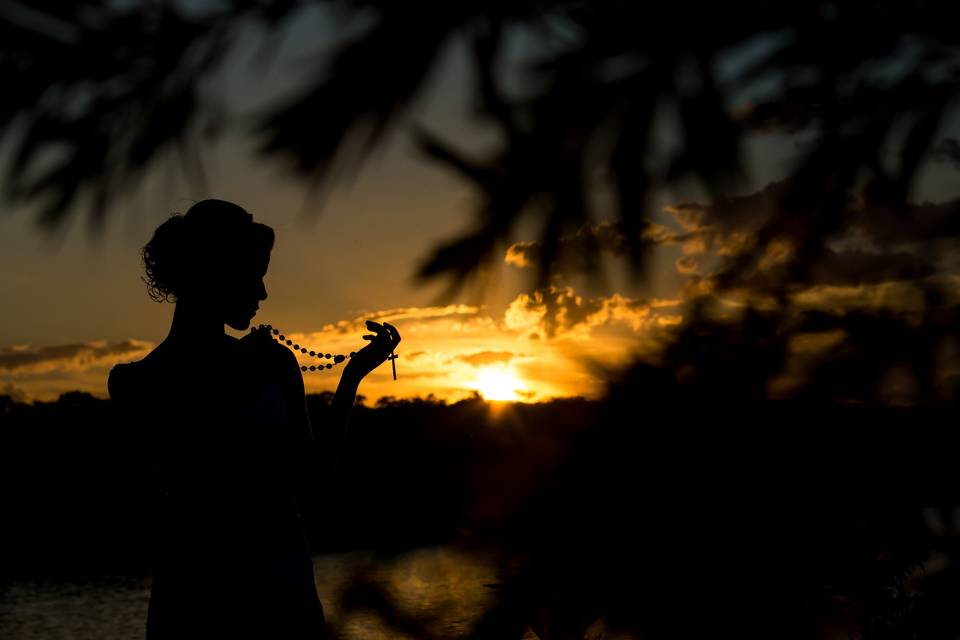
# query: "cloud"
(69, 357)
(481, 358)
(727, 224)
(881, 223)
(846, 268)
(788, 117)
(551, 311)
(523, 254)
(444, 348)
(947, 151)
(882, 244)
(15, 393)
(443, 351)
(897, 296)
(575, 249)
(857, 267)
(687, 264)
(402, 313)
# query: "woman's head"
(214, 256)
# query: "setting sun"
(495, 383)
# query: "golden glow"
(449, 353)
(498, 383)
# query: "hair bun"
(185, 245)
(162, 257)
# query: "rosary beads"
(337, 358)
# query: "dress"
(231, 558)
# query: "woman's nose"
(262, 293)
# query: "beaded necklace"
(337, 358)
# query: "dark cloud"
(481, 358)
(67, 356)
(883, 242)
(849, 268)
(857, 267)
(885, 224)
(604, 237)
(947, 151)
(723, 224)
(784, 116)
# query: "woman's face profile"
(230, 287)
(242, 291)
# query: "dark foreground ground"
(563, 515)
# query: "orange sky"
(73, 306)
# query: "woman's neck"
(195, 325)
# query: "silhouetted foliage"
(114, 85)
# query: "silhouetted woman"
(230, 435)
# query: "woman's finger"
(376, 327)
(383, 332)
(394, 334)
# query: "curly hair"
(186, 243)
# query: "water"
(440, 584)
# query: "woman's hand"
(383, 341)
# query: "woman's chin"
(240, 324)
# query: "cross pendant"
(393, 363)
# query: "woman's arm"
(342, 407)
(382, 343)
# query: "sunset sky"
(73, 303)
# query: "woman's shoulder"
(125, 378)
(263, 347)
